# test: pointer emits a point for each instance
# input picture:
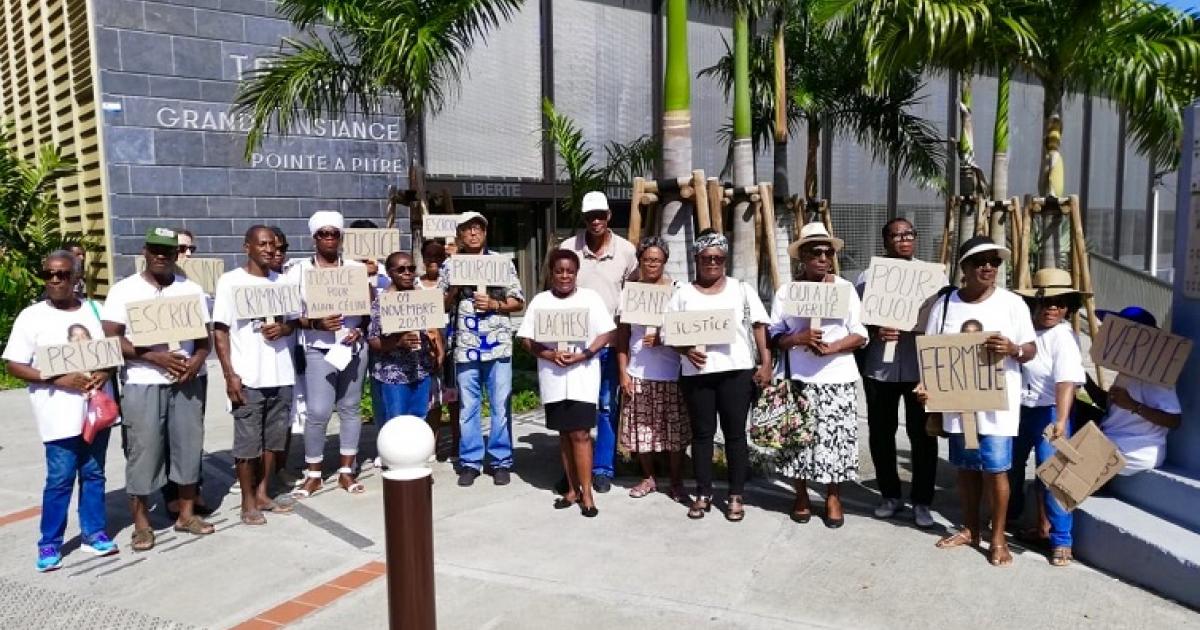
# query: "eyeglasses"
(472, 227)
(908, 235)
(54, 274)
(403, 269)
(818, 252)
(712, 259)
(328, 235)
(187, 249)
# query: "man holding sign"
(481, 347)
(165, 383)
(251, 331)
(895, 286)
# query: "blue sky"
(1194, 5)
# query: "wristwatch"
(587, 352)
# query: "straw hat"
(1051, 282)
(814, 232)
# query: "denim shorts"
(994, 454)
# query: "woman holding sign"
(1004, 315)
(819, 353)
(60, 404)
(569, 379)
(720, 378)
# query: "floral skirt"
(832, 457)
(655, 419)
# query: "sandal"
(735, 510)
(999, 556)
(647, 486)
(801, 511)
(253, 517)
(196, 526)
(355, 487)
(1061, 557)
(958, 539)
(277, 508)
(300, 492)
(699, 507)
(143, 539)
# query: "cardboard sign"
(370, 243)
(80, 356)
(489, 270)
(961, 374)
(260, 301)
(816, 300)
(202, 271)
(896, 289)
(1081, 466)
(698, 328)
(336, 291)
(561, 325)
(1140, 351)
(439, 226)
(644, 304)
(166, 320)
(419, 309)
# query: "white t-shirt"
(1142, 442)
(806, 365)
(1005, 313)
(259, 363)
(59, 412)
(738, 355)
(135, 288)
(1058, 360)
(656, 363)
(322, 339)
(580, 381)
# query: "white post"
(1153, 253)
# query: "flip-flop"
(196, 526)
(957, 539)
(143, 539)
(277, 508)
(253, 517)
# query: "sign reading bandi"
(896, 289)
(369, 243)
(259, 301)
(166, 320)
(81, 356)
(563, 324)
(336, 291)
(961, 374)
(439, 226)
(202, 271)
(419, 309)
(1143, 352)
(824, 300)
(698, 328)
(489, 270)
(644, 304)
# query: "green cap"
(162, 236)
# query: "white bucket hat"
(814, 232)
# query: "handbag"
(780, 417)
(102, 413)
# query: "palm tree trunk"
(811, 156)
(781, 119)
(966, 161)
(745, 259)
(1051, 247)
(677, 227)
(416, 209)
(998, 228)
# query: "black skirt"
(570, 415)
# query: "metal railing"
(1118, 286)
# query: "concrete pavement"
(505, 559)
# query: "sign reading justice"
(1143, 352)
(698, 328)
(166, 320)
(80, 356)
(643, 303)
(336, 291)
(370, 243)
(419, 309)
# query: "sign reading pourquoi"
(80, 356)
(336, 291)
(402, 311)
(166, 320)
(488, 270)
(961, 374)
(644, 304)
(698, 328)
(895, 290)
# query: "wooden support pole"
(716, 204)
(1014, 234)
(1032, 206)
(827, 219)
(703, 214)
(635, 210)
(947, 230)
(768, 217)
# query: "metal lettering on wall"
(490, 189)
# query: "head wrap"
(712, 239)
(653, 241)
(323, 219)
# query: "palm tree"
(677, 226)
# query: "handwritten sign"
(402, 311)
(439, 226)
(81, 356)
(816, 300)
(698, 328)
(644, 304)
(1080, 466)
(166, 320)
(260, 301)
(961, 374)
(202, 271)
(896, 289)
(489, 270)
(370, 243)
(1140, 351)
(336, 291)
(561, 325)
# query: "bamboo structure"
(807, 211)
(647, 194)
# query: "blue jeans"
(606, 415)
(472, 376)
(67, 459)
(402, 399)
(1034, 420)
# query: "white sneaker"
(922, 517)
(887, 508)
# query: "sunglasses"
(328, 235)
(712, 259)
(187, 249)
(909, 235)
(991, 261)
(54, 274)
(817, 252)
(403, 269)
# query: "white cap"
(467, 217)
(978, 245)
(324, 219)
(595, 201)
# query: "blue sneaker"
(49, 558)
(99, 544)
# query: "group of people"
(622, 382)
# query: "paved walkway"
(505, 559)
